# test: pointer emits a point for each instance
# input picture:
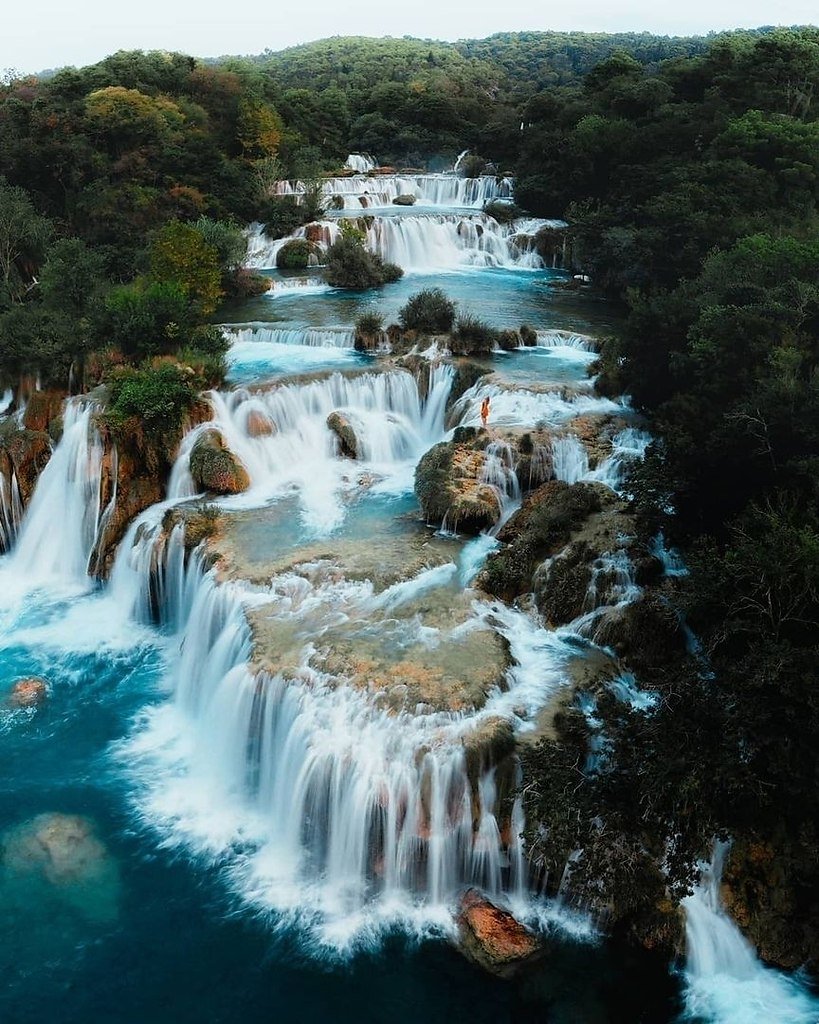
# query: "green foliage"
(226, 239)
(351, 265)
(23, 236)
(369, 323)
(430, 311)
(73, 275)
(159, 397)
(38, 342)
(180, 255)
(144, 319)
(472, 335)
(295, 255)
(472, 166)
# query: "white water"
(524, 408)
(324, 807)
(571, 460)
(368, 192)
(420, 242)
(724, 981)
(361, 163)
(60, 526)
(393, 426)
(258, 334)
(11, 511)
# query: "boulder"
(491, 937)
(404, 200)
(28, 693)
(215, 468)
(259, 424)
(449, 488)
(647, 634)
(345, 432)
(63, 852)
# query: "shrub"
(472, 335)
(295, 255)
(370, 322)
(143, 319)
(159, 396)
(472, 166)
(503, 212)
(528, 335)
(351, 265)
(281, 216)
(430, 311)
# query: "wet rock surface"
(492, 938)
(215, 468)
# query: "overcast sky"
(41, 34)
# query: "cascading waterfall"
(351, 818)
(256, 334)
(526, 408)
(498, 472)
(11, 511)
(725, 983)
(61, 523)
(566, 340)
(571, 460)
(419, 242)
(361, 163)
(370, 193)
(392, 423)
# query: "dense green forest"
(689, 172)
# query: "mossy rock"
(215, 468)
(404, 200)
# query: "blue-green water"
(158, 935)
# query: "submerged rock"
(63, 852)
(345, 432)
(215, 468)
(28, 693)
(492, 938)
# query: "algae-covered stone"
(215, 468)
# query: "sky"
(43, 34)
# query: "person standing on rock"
(485, 412)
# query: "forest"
(688, 171)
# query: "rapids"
(296, 759)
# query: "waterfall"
(420, 242)
(460, 159)
(724, 981)
(11, 511)
(329, 808)
(370, 193)
(571, 460)
(61, 524)
(256, 334)
(498, 472)
(512, 407)
(566, 340)
(393, 425)
(361, 163)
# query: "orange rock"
(259, 424)
(492, 937)
(28, 693)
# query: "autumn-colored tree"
(180, 254)
(259, 129)
(128, 118)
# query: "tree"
(23, 236)
(180, 255)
